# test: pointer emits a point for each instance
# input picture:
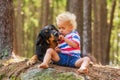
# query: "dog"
(47, 38)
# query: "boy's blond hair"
(67, 16)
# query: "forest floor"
(96, 72)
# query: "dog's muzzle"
(56, 35)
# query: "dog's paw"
(31, 62)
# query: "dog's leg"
(33, 60)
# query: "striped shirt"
(66, 49)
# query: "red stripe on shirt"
(70, 49)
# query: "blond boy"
(67, 53)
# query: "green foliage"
(31, 22)
(31, 16)
(1, 76)
(115, 36)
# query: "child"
(67, 53)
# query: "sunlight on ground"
(13, 59)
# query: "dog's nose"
(55, 33)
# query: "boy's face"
(65, 28)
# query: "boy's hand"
(61, 37)
(57, 49)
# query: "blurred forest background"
(98, 24)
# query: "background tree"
(103, 29)
(6, 27)
(18, 46)
(99, 31)
(44, 12)
(87, 27)
(96, 31)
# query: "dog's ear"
(53, 27)
(42, 38)
(39, 40)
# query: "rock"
(49, 74)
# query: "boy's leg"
(83, 63)
(50, 54)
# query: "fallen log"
(96, 72)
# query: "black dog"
(47, 38)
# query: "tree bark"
(103, 26)
(87, 27)
(6, 27)
(44, 12)
(96, 49)
(100, 32)
(18, 31)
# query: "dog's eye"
(56, 34)
(46, 30)
(50, 28)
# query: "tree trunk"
(103, 26)
(51, 13)
(96, 49)
(100, 31)
(44, 12)
(6, 27)
(18, 31)
(87, 28)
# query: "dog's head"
(47, 37)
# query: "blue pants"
(66, 60)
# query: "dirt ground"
(96, 72)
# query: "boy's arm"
(69, 42)
(57, 49)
